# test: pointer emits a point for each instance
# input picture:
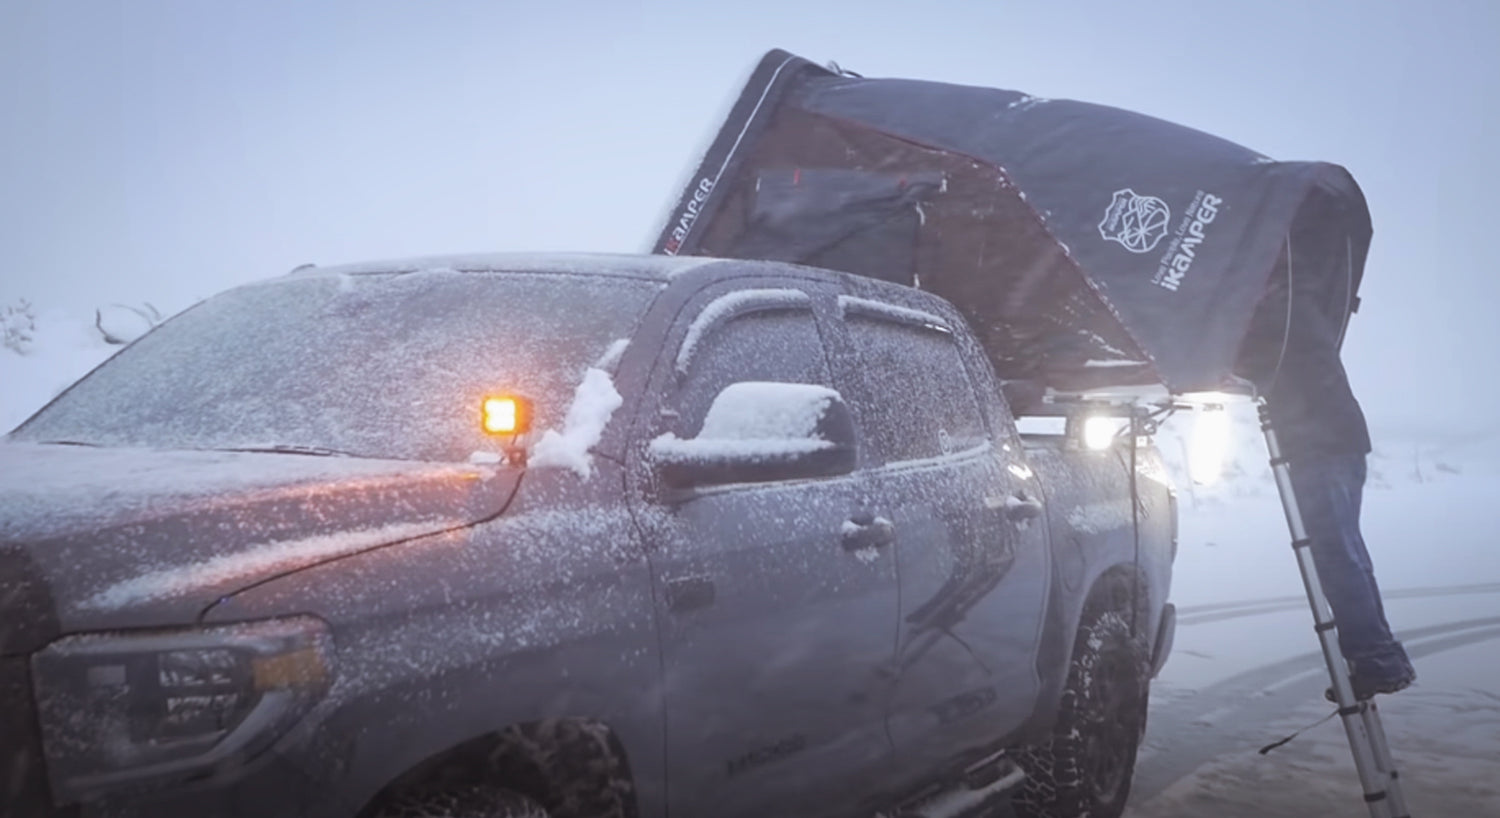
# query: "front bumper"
(265, 789)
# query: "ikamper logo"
(1183, 250)
(690, 210)
(1137, 222)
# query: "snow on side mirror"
(758, 431)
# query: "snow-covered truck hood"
(103, 538)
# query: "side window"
(920, 402)
(763, 345)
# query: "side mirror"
(759, 431)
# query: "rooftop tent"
(1089, 247)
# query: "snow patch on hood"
(287, 555)
(101, 486)
(594, 402)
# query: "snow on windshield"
(373, 365)
(611, 357)
(594, 402)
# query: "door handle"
(867, 531)
(1019, 508)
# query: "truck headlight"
(124, 709)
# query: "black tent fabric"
(1090, 247)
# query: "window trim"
(880, 310)
(730, 306)
(978, 450)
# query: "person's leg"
(1329, 489)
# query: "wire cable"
(1135, 519)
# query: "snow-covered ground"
(1246, 668)
(43, 351)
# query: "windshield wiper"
(291, 448)
(281, 448)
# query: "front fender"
(545, 612)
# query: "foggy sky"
(162, 151)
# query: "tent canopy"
(1089, 247)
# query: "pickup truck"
(570, 536)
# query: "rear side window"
(762, 345)
(920, 402)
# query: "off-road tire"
(1084, 769)
(474, 801)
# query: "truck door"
(973, 571)
(775, 630)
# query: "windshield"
(373, 365)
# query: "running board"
(984, 786)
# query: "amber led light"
(506, 415)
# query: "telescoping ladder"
(1372, 753)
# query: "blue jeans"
(1328, 489)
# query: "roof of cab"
(656, 267)
(692, 271)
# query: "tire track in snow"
(1230, 717)
(1221, 611)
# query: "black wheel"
(460, 802)
(1084, 769)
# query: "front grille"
(23, 777)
